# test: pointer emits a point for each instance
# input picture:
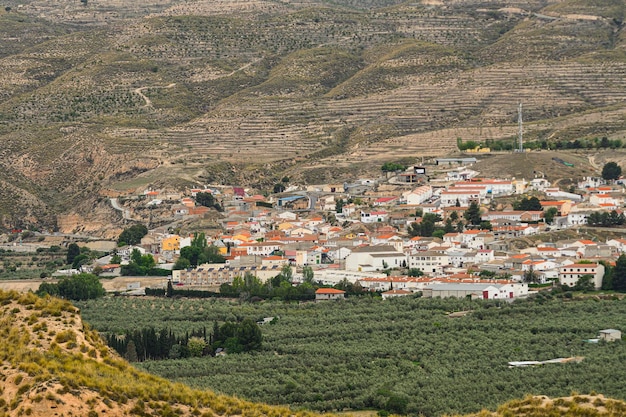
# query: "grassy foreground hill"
(53, 364)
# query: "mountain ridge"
(109, 91)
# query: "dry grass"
(53, 361)
(574, 406)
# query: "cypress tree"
(619, 274)
(131, 352)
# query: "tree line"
(148, 344)
(508, 145)
(75, 287)
(198, 253)
(429, 224)
(606, 219)
(142, 265)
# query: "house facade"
(478, 290)
(373, 258)
(570, 274)
(429, 262)
(418, 195)
(373, 216)
(325, 294)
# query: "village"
(440, 230)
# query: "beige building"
(610, 335)
(214, 275)
(570, 274)
(324, 294)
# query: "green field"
(403, 355)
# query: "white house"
(262, 248)
(461, 174)
(538, 265)
(385, 201)
(327, 203)
(376, 284)
(453, 197)
(492, 187)
(548, 275)
(591, 182)
(339, 253)
(395, 293)
(458, 257)
(332, 276)
(478, 290)
(452, 239)
(576, 218)
(484, 255)
(429, 262)
(540, 184)
(125, 251)
(606, 201)
(556, 193)
(548, 251)
(390, 239)
(570, 274)
(418, 195)
(419, 243)
(287, 215)
(513, 215)
(620, 244)
(477, 239)
(610, 335)
(373, 258)
(348, 209)
(373, 216)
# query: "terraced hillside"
(96, 92)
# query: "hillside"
(52, 363)
(574, 406)
(100, 97)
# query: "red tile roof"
(329, 291)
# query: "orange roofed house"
(323, 294)
(563, 207)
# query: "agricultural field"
(22, 265)
(404, 355)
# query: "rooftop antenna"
(520, 128)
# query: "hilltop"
(102, 97)
(576, 405)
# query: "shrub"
(22, 389)
(65, 336)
